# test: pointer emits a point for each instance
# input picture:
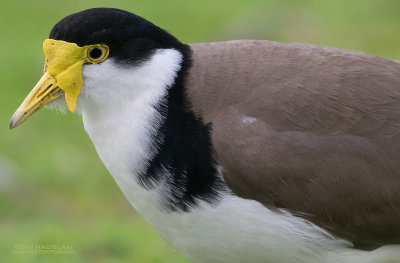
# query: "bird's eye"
(97, 53)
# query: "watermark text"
(44, 249)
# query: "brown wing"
(315, 130)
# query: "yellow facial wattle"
(62, 71)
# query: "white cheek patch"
(109, 82)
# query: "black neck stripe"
(185, 150)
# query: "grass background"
(53, 187)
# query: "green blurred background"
(54, 190)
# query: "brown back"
(311, 129)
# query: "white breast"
(117, 110)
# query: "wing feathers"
(315, 130)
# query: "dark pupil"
(95, 53)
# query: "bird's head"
(83, 42)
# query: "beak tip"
(13, 123)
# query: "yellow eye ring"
(97, 53)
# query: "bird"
(235, 151)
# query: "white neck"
(117, 107)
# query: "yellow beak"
(45, 91)
(62, 73)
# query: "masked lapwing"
(238, 151)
